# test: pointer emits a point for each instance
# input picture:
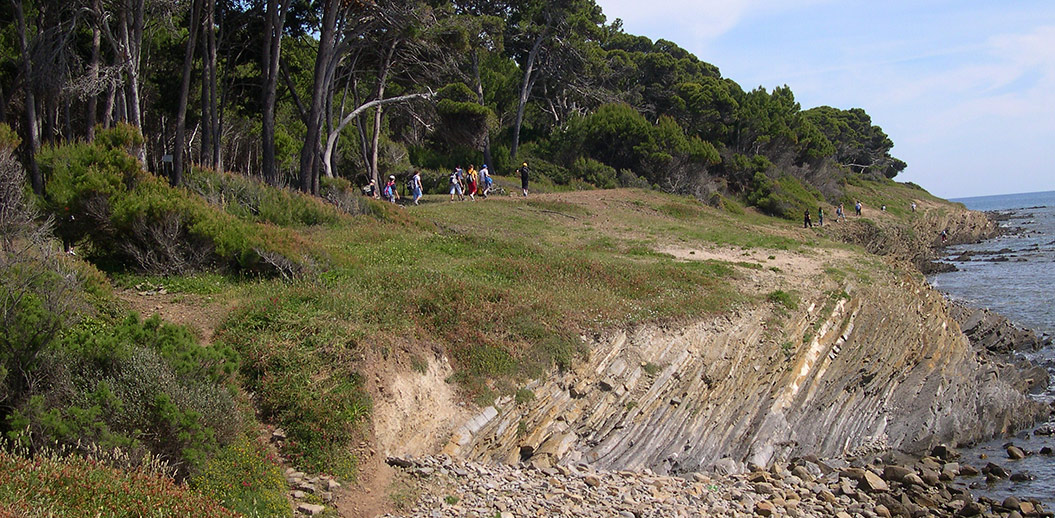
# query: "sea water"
(1014, 276)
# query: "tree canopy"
(291, 90)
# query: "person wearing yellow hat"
(524, 173)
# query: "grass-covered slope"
(311, 297)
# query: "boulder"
(1015, 453)
(310, 509)
(896, 473)
(944, 452)
(873, 483)
(765, 508)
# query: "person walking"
(485, 179)
(857, 207)
(820, 216)
(456, 183)
(390, 192)
(806, 219)
(471, 182)
(524, 174)
(415, 186)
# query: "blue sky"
(964, 88)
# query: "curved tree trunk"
(525, 93)
(331, 140)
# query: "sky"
(964, 88)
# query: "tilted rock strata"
(883, 367)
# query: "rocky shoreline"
(939, 485)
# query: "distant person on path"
(370, 189)
(944, 236)
(524, 174)
(390, 192)
(820, 216)
(857, 207)
(456, 183)
(471, 182)
(883, 208)
(913, 206)
(485, 180)
(806, 219)
(415, 186)
(839, 216)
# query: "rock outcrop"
(876, 366)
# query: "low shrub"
(99, 192)
(298, 383)
(70, 485)
(246, 477)
(252, 200)
(143, 386)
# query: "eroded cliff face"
(868, 365)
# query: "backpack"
(388, 191)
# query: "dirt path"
(202, 314)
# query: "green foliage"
(786, 197)
(51, 484)
(98, 191)
(252, 200)
(9, 140)
(524, 396)
(247, 478)
(788, 300)
(855, 141)
(281, 364)
(139, 385)
(596, 173)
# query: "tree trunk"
(309, 155)
(386, 65)
(32, 143)
(210, 133)
(181, 111)
(276, 20)
(331, 140)
(214, 117)
(480, 99)
(93, 67)
(525, 92)
(131, 47)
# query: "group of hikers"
(460, 183)
(840, 214)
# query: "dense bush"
(346, 197)
(98, 191)
(143, 386)
(784, 197)
(253, 200)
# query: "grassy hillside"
(303, 300)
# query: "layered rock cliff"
(867, 361)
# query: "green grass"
(788, 300)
